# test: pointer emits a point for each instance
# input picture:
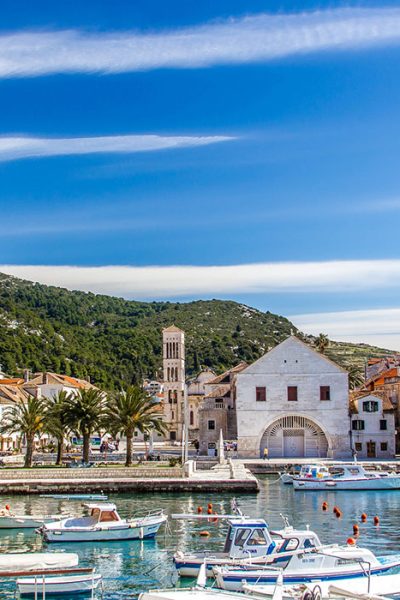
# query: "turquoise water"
(131, 567)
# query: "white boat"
(36, 561)
(247, 540)
(103, 524)
(65, 584)
(88, 497)
(328, 563)
(366, 587)
(12, 521)
(344, 476)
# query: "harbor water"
(132, 566)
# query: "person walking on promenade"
(265, 454)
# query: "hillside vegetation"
(114, 341)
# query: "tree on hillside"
(25, 419)
(132, 409)
(56, 421)
(85, 414)
(322, 342)
(356, 378)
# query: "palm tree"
(84, 415)
(322, 342)
(356, 378)
(26, 419)
(133, 409)
(56, 422)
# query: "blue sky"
(231, 149)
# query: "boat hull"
(71, 584)
(102, 534)
(235, 580)
(373, 483)
(26, 522)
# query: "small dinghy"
(86, 497)
(65, 584)
(103, 524)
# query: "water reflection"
(129, 567)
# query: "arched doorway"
(294, 437)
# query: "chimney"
(26, 375)
(45, 378)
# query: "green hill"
(114, 341)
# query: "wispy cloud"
(378, 326)
(13, 148)
(255, 38)
(198, 281)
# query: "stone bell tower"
(174, 381)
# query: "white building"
(294, 402)
(373, 433)
(174, 380)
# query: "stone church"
(294, 402)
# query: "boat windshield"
(104, 516)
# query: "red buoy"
(363, 517)
(199, 509)
(356, 529)
(351, 541)
(376, 520)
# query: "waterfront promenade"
(115, 479)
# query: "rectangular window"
(211, 425)
(358, 425)
(325, 392)
(261, 394)
(383, 424)
(358, 447)
(384, 446)
(292, 393)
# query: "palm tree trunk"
(86, 447)
(128, 462)
(29, 452)
(60, 451)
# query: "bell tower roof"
(172, 329)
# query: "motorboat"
(328, 563)
(103, 524)
(344, 476)
(247, 540)
(10, 521)
(36, 561)
(87, 497)
(377, 586)
(65, 584)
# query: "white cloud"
(12, 148)
(380, 327)
(197, 281)
(255, 38)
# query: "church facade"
(293, 401)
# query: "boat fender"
(271, 548)
(141, 533)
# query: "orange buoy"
(209, 505)
(209, 511)
(204, 533)
(338, 513)
(356, 529)
(336, 510)
(351, 541)
(376, 520)
(199, 509)
(363, 517)
(7, 507)
(324, 506)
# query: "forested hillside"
(114, 341)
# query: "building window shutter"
(325, 392)
(383, 425)
(261, 394)
(292, 393)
